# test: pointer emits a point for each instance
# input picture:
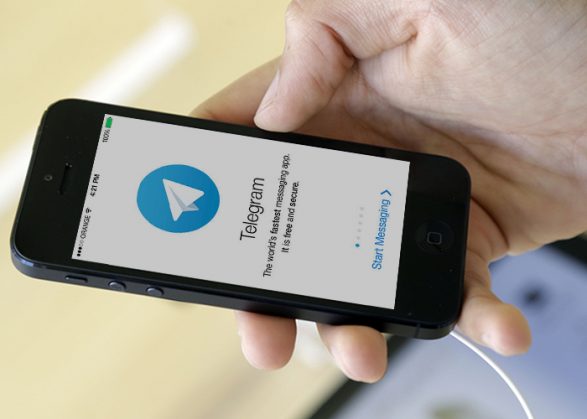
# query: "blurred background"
(75, 352)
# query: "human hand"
(500, 86)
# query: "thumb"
(323, 39)
(312, 66)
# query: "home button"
(435, 237)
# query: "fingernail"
(487, 339)
(340, 361)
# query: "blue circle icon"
(178, 198)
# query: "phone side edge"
(13, 242)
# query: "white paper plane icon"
(181, 197)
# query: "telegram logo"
(178, 198)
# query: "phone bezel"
(430, 286)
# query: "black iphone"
(213, 213)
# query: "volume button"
(117, 285)
(74, 279)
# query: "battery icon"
(109, 122)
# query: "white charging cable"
(497, 369)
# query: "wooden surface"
(74, 352)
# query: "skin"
(500, 86)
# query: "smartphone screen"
(245, 211)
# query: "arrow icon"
(385, 192)
(181, 198)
